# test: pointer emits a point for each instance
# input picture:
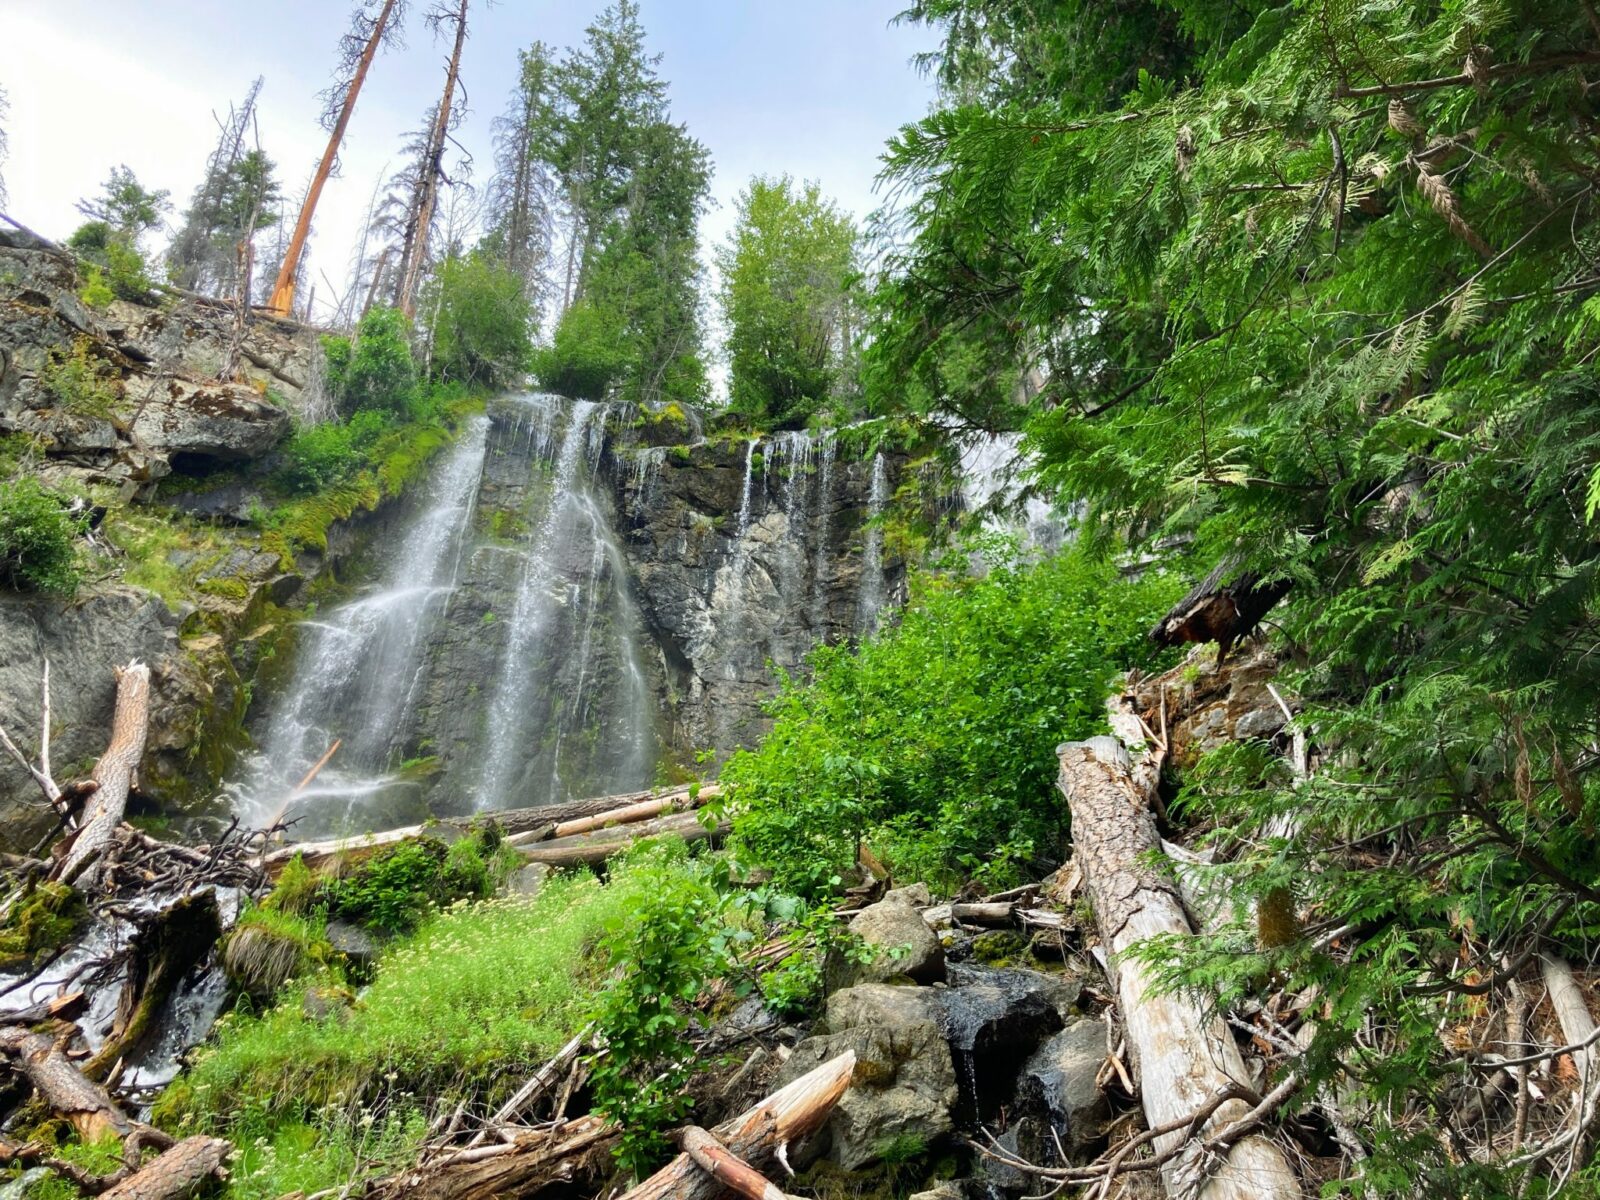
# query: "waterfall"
(874, 589)
(356, 670)
(989, 471)
(826, 449)
(572, 707)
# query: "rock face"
(158, 400)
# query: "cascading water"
(572, 708)
(874, 588)
(989, 484)
(357, 670)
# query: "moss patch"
(43, 921)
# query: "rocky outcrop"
(153, 372)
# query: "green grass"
(479, 996)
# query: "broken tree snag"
(1223, 607)
(62, 1086)
(177, 1173)
(1184, 1058)
(757, 1135)
(113, 776)
(727, 1168)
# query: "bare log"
(627, 815)
(726, 1167)
(1184, 1058)
(62, 1086)
(758, 1134)
(113, 775)
(177, 1173)
(513, 822)
(591, 848)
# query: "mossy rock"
(999, 947)
(43, 921)
(269, 947)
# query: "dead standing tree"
(357, 49)
(425, 198)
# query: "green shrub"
(935, 741)
(96, 293)
(127, 272)
(38, 539)
(397, 888)
(587, 355)
(81, 381)
(115, 264)
(322, 455)
(376, 369)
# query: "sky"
(809, 87)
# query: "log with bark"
(1184, 1058)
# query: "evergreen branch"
(1505, 70)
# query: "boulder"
(1059, 1081)
(358, 947)
(949, 1190)
(528, 881)
(905, 1083)
(905, 945)
(221, 422)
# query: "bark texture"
(113, 776)
(1184, 1058)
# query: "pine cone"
(1402, 120)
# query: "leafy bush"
(662, 953)
(96, 292)
(38, 547)
(587, 355)
(324, 454)
(481, 318)
(376, 369)
(82, 382)
(395, 890)
(935, 741)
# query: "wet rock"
(1058, 1082)
(994, 1020)
(904, 1087)
(905, 944)
(950, 1190)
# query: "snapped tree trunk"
(62, 1087)
(113, 776)
(282, 301)
(177, 1173)
(1184, 1058)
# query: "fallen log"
(512, 822)
(590, 849)
(726, 1167)
(757, 1135)
(113, 776)
(177, 1173)
(628, 814)
(1183, 1058)
(62, 1087)
(578, 1150)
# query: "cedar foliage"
(1314, 285)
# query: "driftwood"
(759, 1134)
(1185, 1059)
(113, 776)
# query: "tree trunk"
(282, 301)
(416, 254)
(757, 1135)
(62, 1086)
(177, 1173)
(1184, 1058)
(113, 776)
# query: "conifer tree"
(357, 49)
(520, 194)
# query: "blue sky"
(811, 88)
